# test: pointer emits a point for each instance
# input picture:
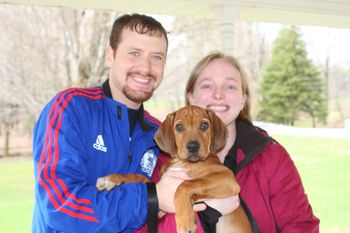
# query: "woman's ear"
(190, 98)
(244, 100)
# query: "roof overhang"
(330, 13)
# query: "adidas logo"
(99, 144)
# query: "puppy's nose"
(192, 146)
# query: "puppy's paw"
(187, 227)
(105, 183)
(187, 230)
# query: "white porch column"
(227, 15)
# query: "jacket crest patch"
(148, 162)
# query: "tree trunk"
(7, 140)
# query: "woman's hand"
(224, 205)
(166, 188)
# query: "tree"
(339, 83)
(48, 49)
(291, 84)
(44, 51)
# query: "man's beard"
(137, 96)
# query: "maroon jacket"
(270, 184)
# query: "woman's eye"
(204, 126)
(205, 86)
(231, 87)
(179, 128)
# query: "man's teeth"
(142, 80)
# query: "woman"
(271, 187)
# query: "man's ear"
(219, 132)
(164, 136)
(109, 56)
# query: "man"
(84, 134)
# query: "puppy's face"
(191, 133)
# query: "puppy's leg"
(184, 215)
(110, 181)
(192, 190)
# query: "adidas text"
(99, 144)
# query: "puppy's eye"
(179, 128)
(204, 126)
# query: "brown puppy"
(192, 136)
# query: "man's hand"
(167, 186)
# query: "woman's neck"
(231, 137)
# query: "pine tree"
(291, 84)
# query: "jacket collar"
(251, 140)
(141, 116)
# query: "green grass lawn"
(16, 194)
(323, 165)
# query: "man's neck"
(133, 116)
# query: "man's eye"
(157, 58)
(135, 53)
(179, 128)
(204, 126)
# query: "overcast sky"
(317, 41)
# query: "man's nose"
(145, 64)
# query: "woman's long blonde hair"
(245, 112)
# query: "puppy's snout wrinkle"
(192, 146)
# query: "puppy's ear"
(164, 136)
(219, 133)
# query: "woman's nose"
(218, 94)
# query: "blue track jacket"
(81, 135)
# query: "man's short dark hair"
(141, 24)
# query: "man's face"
(136, 69)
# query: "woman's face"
(219, 88)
